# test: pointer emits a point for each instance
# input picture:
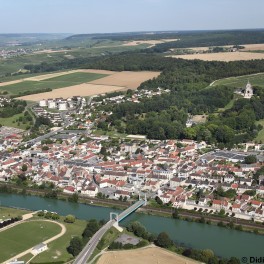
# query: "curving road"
(91, 245)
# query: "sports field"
(52, 83)
(142, 256)
(241, 81)
(57, 249)
(24, 236)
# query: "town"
(178, 173)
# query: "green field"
(52, 83)
(57, 249)
(241, 81)
(24, 236)
(6, 212)
(11, 122)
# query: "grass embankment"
(24, 236)
(6, 212)
(241, 81)
(52, 83)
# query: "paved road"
(91, 245)
(88, 250)
(40, 138)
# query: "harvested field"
(142, 256)
(83, 82)
(130, 80)
(221, 56)
(48, 51)
(84, 89)
(150, 42)
(253, 47)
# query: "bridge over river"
(115, 218)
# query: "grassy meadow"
(241, 81)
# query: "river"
(222, 241)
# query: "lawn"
(24, 236)
(11, 122)
(241, 81)
(57, 250)
(6, 212)
(52, 83)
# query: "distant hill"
(30, 37)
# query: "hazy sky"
(90, 16)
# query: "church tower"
(248, 91)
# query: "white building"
(51, 104)
(248, 91)
(39, 248)
(62, 106)
(43, 103)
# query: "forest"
(165, 116)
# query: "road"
(40, 138)
(91, 245)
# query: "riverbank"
(190, 216)
(188, 234)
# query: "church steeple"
(248, 91)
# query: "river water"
(222, 241)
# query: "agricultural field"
(127, 79)
(116, 81)
(241, 81)
(221, 56)
(24, 236)
(52, 83)
(144, 255)
(151, 43)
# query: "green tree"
(175, 214)
(24, 167)
(75, 246)
(250, 159)
(74, 198)
(158, 200)
(69, 219)
(163, 240)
